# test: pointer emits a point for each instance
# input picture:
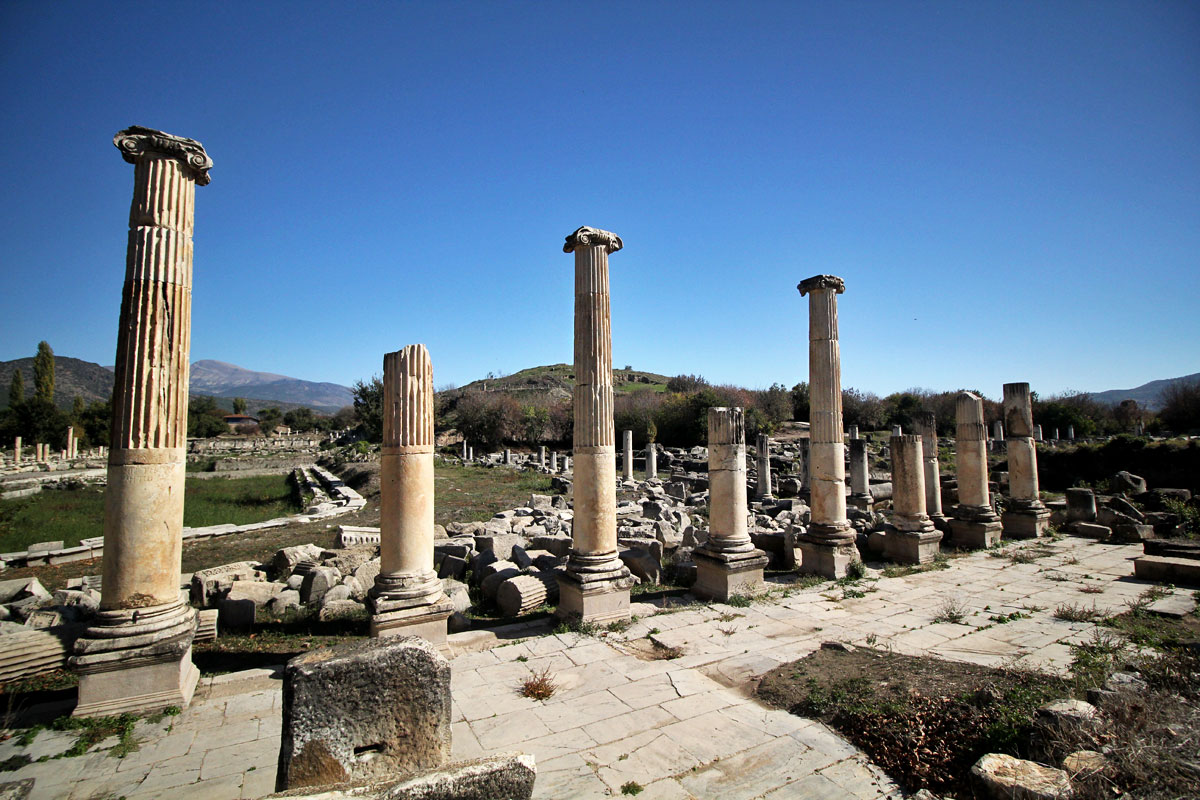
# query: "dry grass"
(540, 685)
(951, 611)
(1076, 613)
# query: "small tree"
(76, 409)
(16, 389)
(269, 418)
(239, 405)
(800, 401)
(1181, 406)
(368, 408)
(43, 373)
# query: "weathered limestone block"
(371, 710)
(209, 585)
(1081, 505)
(1004, 777)
(521, 594)
(30, 651)
(206, 628)
(317, 583)
(508, 776)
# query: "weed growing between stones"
(540, 686)
(1075, 613)
(951, 611)
(631, 788)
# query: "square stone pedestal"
(136, 686)
(719, 580)
(971, 534)
(601, 602)
(912, 547)
(862, 502)
(827, 560)
(428, 622)
(1021, 523)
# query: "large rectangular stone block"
(364, 712)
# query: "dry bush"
(951, 611)
(540, 686)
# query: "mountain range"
(218, 379)
(226, 381)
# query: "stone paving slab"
(682, 728)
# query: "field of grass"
(471, 494)
(74, 514)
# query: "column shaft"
(927, 427)
(971, 456)
(627, 455)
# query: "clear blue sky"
(1011, 191)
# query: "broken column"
(727, 563)
(136, 654)
(911, 535)
(17, 451)
(554, 461)
(973, 524)
(464, 449)
(594, 584)
(542, 455)
(764, 465)
(1024, 517)
(627, 455)
(998, 430)
(805, 452)
(70, 451)
(651, 461)
(853, 432)
(407, 597)
(1070, 433)
(828, 546)
(860, 482)
(927, 427)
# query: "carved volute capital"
(136, 141)
(821, 282)
(593, 237)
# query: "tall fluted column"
(764, 465)
(407, 597)
(594, 584)
(860, 476)
(828, 546)
(927, 428)
(911, 537)
(974, 524)
(1024, 517)
(727, 563)
(136, 655)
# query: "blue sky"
(1011, 191)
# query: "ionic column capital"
(592, 237)
(819, 282)
(135, 142)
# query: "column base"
(427, 622)
(719, 578)
(912, 547)
(599, 602)
(136, 660)
(828, 559)
(862, 502)
(1025, 523)
(974, 534)
(941, 522)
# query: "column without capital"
(594, 584)
(927, 427)
(828, 546)
(911, 536)
(651, 461)
(860, 480)
(407, 597)
(135, 656)
(727, 563)
(627, 455)
(764, 465)
(17, 451)
(1024, 517)
(973, 524)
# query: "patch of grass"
(71, 515)
(474, 494)
(739, 601)
(540, 686)
(1092, 588)
(577, 625)
(1004, 619)
(951, 611)
(631, 788)
(1073, 613)
(93, 730)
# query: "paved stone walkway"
(682, 728)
